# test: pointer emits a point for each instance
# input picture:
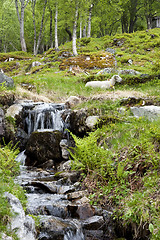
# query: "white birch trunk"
(56, 28)
(80, 30)
(74, 37)
(89, 21)
(21, 21)
(51, 31)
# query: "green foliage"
(124, 175)
(9, 168)
(3, 87)
(84, 41)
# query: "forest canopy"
(37, 25)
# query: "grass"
(120, 164)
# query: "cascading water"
(61, 215)
(45, 116)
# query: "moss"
(98, 60)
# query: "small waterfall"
(21, 158)
(45, 116)
(76, 234)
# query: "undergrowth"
(120, 166)
(9, 168)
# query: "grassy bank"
(9, 169)
(121, 166)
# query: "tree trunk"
(89, 21)
(74, 37)
(133, 15)
(56, 28)
(41, 29)
(84, 31)
(69, 33)
(80, 30)
(34, 25)
(21, 21)
(149, 22)
(124, 22)
(51, 30)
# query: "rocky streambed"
(55, 198)
(61, 207)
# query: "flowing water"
(45, 116)
(49, 195)
(47, 199)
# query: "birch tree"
(56, 26)
(20, 8)
(89, 21)
(74, 37)
(37, 39)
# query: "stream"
(54, 195)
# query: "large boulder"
(43, 146)
(150, 112)
(24, 225)
(7, 81)
(78, 122)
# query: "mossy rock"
(43, 146)
(6, 98)
(89, 61)
(133, 80)
(20, 55)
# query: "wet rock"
(47, 204)
(55, 228)
(66, 189)
(64, 148)
(94, 223)
(45, 187)
(43, 146)
(81, 212)
(71, 176)
(94, 235)
(76, 195)
(47, 165)
(64, 166)
(24, 225)
(78, 122)
(7, 81)
(21, 138)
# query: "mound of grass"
(120, 164)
